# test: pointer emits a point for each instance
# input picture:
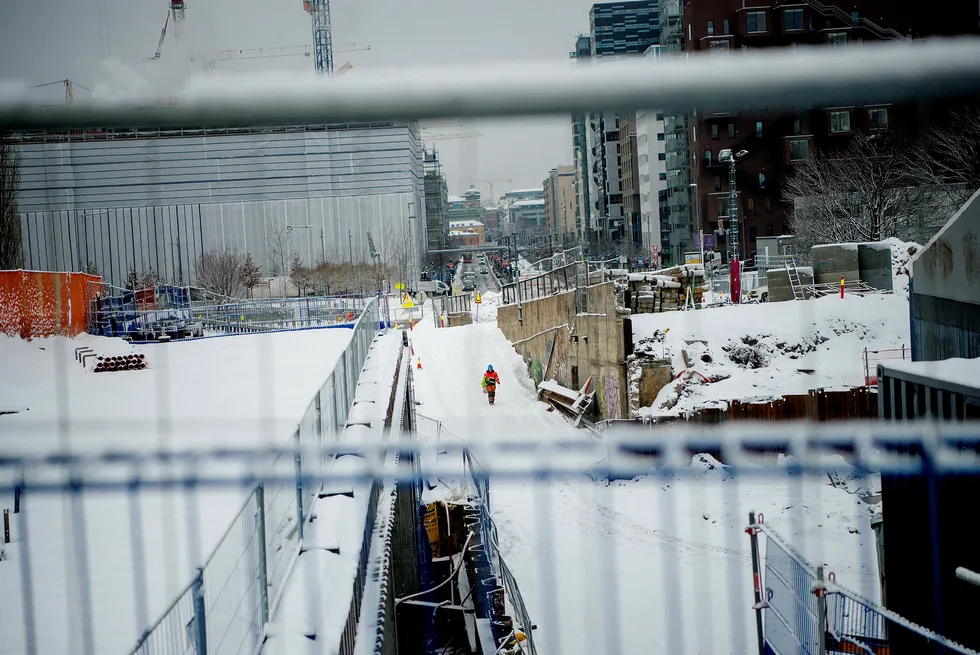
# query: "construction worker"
(490, 382)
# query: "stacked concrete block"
(779, 286)
(870, 263)
(833, 260)
(875, 265)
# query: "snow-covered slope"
(764, 351)
(647, 565)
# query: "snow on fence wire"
(807, 614)
(226, 607)
(480, 481)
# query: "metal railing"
(226, 606)
(547, 284)
(169, 312)
(810, 615)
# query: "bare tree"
(396, 252)
(251, 273)
(869, 192)
(220, 272)
(299, 274)
(949, 157)
(277, 249)
(11, 253)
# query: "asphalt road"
(484, 283)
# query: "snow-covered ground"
(764, 351)
(243, 390)
(646, 565)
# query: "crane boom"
(163, 35)
(443, 137)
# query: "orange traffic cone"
(419, 365)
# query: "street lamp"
(323, 246)
(734, 266)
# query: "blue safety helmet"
(489, 368)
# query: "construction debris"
(573, 404)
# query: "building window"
(769, 229)
(707, 156)
(762, 180)
(799, 149)
(768, 204)
(662, 156)
(731, 130)
(750, 204)
(663, 176)
(660, 117)
(797, 127)
(878, 118)
(717, 182)
(836, 39)
(711, 28)
(719, 45)
(792, 19)
(660, 136)
(725, 27)
(755, 22)
(840, 121)
(714, 131)
(723, 207)
(758, 129)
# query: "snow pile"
(902, 255)
(488, 308)
(765, 351)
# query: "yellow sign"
(399, 285)
(478, 300)
(408, 304)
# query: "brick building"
(775, 141)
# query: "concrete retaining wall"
(946, 289)
(568, 348)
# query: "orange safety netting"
(41, 304)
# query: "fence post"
(299, 486)
(263, 562)
(753, 531)
(17, 499)
(821, 613)
(6, 526)
(200, 627)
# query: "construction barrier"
(42, 304)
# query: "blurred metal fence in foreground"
(225, 608)
(811, 614)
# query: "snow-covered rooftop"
(955, 371)
(466, 223)
(536, 202)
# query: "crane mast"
(322, 36)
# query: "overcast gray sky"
(45, 41)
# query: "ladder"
(794, 280)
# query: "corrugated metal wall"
(158, 202)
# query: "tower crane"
(209, 58)
(69, 88)
(489, 183)
(319, 11)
